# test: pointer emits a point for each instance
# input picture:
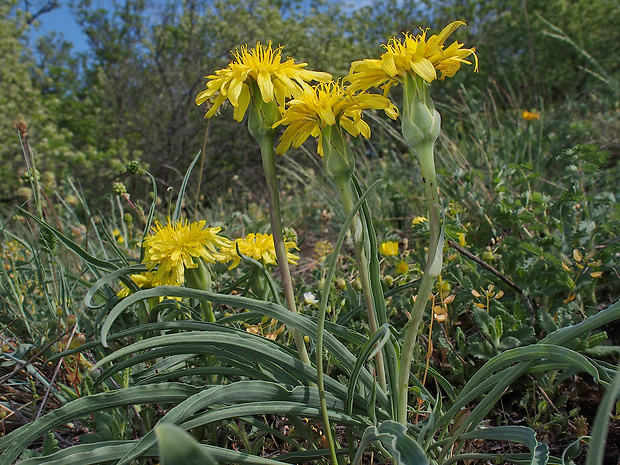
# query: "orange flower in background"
(529, 115)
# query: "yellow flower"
(402, 267)
(529, 115)
(143, 281)
(276, 79)
(389, 248)
(259, 247)
(462, 240)
(416, 55)
(418, 220)
(175, 247)
(327, 104)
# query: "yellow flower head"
(276, 79)
(174, 247)
(389, 248)
(417, 55)
(142, 280)
(462, 239)
(327, 104)
(260, 247)
(418, 220)
(529, 115)
(402, 267)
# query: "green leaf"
(103, 452)
(177, 210)
(393, 436)
(75, 248)
(18, 440)
(177, 447)
(520, 434)
(50, 444)
(246, 398)
(301, 322)
(596, 446)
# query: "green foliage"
(176, 447)
(525, 302)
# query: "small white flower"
(310, 298)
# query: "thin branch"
(488, 267)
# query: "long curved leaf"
(248, 347)
(520, 434)
(243, 393)
(74, 247)
(17, 441)
(477, 385)
(179, 205)
(596, 446)
(91, 454)
(345, 358)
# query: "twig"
(21, 365)
(56, 371)
(488, 267)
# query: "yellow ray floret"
(174, 247)
(260, 247)
(276, 79)
(327, 104)
(417, 55)
(389, 248)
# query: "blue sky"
(61, 21)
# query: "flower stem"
(269, 167)
(421, 124)
(348, 200)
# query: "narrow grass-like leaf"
(480, 381)
(103, 452)
(75, 248)
(380, 338)
(18, 440)
(570, 333)
(110, 278)
(345, 358)
(249, 348)
(149, 218)
(519, 434)
(179, 205)
(226, 372)
(243, 393)
(596, 446)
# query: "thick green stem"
(421, 124)
(273, 193)
(261, 118)
(348, 201)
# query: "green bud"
(48, 241)
(119, 188)
(133, 167)
(261, 115)
(338, 158)
(199, 277)
(421, 123)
